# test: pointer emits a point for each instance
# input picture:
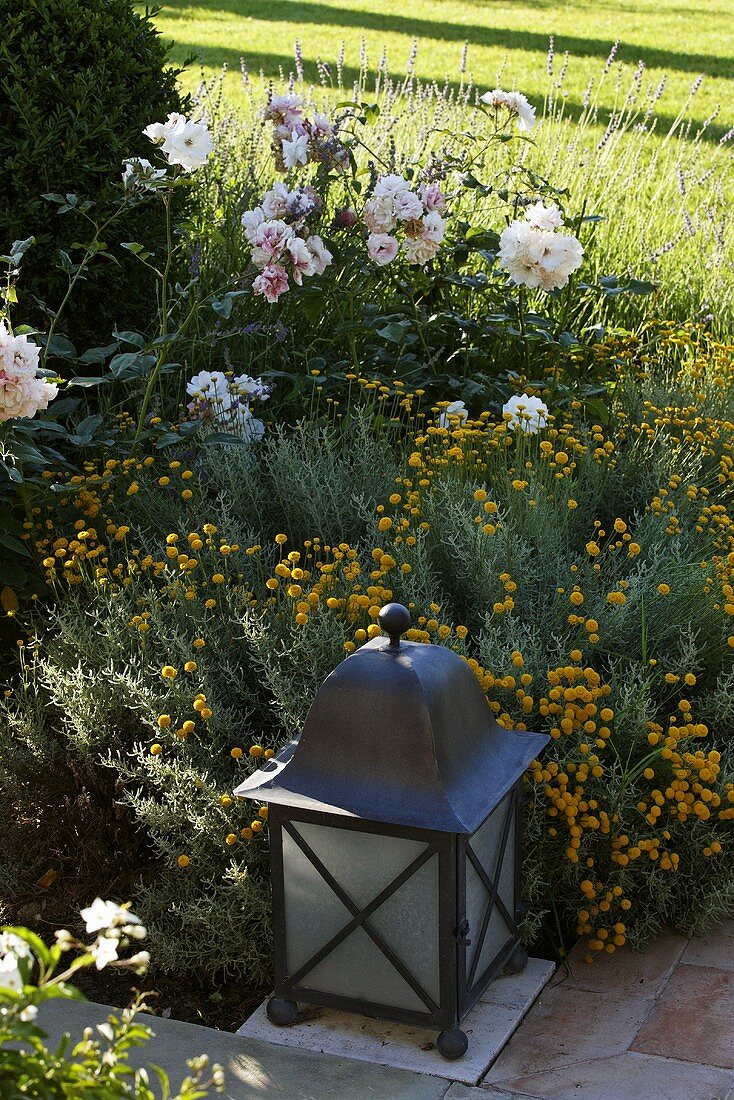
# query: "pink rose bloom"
(272, 282)
(407, 205)
(285, 110)
(434, 227)
(300, 256)
(320, 255)
(382, 248)
(433, 198)
(269, 240)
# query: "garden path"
(658, 1024)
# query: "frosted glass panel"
(358, 969)
(486, 846)
(313, 912)
(363, 864)
(408, 922)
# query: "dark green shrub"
(79, 79)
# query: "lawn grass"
(508, 43)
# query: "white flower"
(382, 248)
(106, 914)
(245, 386)
(295, 151)
(251, 221)
(275, 201)
(433, 198)
(434, 227)
(104, 951)
(453, 415)
(390, 186)
(563, 255)
(248, 426)
(140, 173)
(18, 355)
(10, 976)
(419, 250)
(22, 394)
(269, 241)
(525, 412)
(544, 217)
(406, 205)
(182, 140)
(300, 256)
(210, 386)
(378, 214)
(319, 254)
(516, 103)
(28, 1014)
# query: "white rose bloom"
(378, 214)
(453, 415)
(434, 227)
(525, 412)
(18, 354)
(544, 217)
(187, 143)
(275, 201)
(406, 206)
(211, 386)
(539, 258)
(419, 251)
(321, 128)
(295, 151)
(389, 186)
(319, 254)
(563, 255)
(10, 976)
(157, 130)
(251, 222)
(516, 103)
(248, 426)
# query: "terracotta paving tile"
(626, 1077)
(715, 949)
(568, 1025)
(693, 1019)
(626, 973)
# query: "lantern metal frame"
(460, 985)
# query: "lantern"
(395, 840)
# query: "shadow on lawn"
(322, 14)
(272, 65)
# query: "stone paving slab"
(625, 973)
(693, 1019)
(715, 949)
(569, 1025)
(489, 1026)
(627, 1076)
(254, 1070)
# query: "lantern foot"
(517, 961)
(452, 1044)
(281, 1011)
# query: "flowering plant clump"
(32, 973)
(23, 392)
(535, 253)
(393, 204)
(281, 241)
(222, 402)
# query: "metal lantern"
(395, 840)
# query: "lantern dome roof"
(399, 732)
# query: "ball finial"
(394, 620)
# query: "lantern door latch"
(462, 933)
